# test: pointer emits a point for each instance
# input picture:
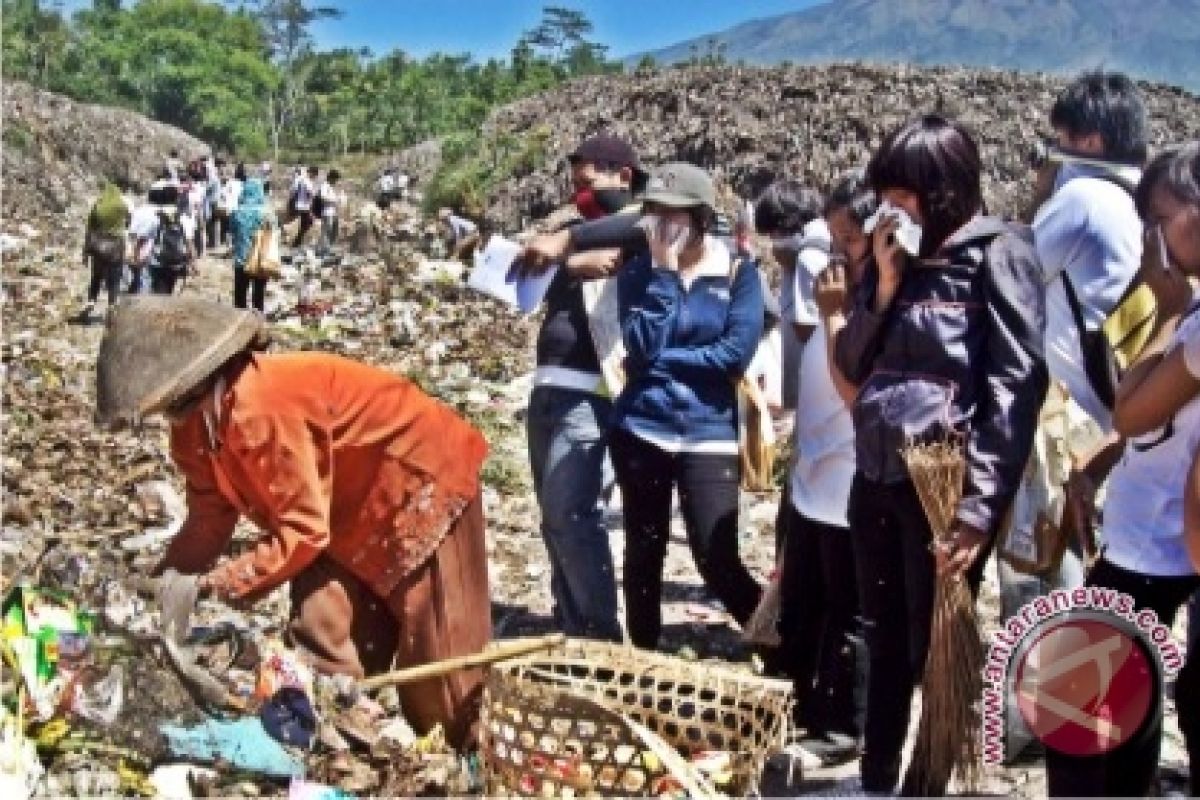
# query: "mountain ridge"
(1156, 40)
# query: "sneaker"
(832, 748)
(807, 760)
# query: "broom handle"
(437, 669)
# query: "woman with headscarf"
(252, 213)
(104, 243)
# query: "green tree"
(188, 63)
(287, 27)
(35, 40)
(561, 36)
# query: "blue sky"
(487, 28)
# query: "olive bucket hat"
(156, 350)
(681, 185)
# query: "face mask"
(675, 234)
(597, 203)
(908, 235)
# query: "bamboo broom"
(948, 731)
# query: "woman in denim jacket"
(691, 321)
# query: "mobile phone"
(1164, 257)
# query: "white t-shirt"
(766, 368)
(331, 198)
(302, 190)
(196, 195)
(824, 465)
(1143, 513)
(143, 225)
(462, 228)
(1090, 231)
(231, 192)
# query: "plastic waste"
(174, 781)
(20, 768)
(242, 743)
(101, 702)
(307, 790)
(281, 668)
(289, 718)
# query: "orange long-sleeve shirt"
(326, 455)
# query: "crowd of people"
(1062, 352)
(1056, 351)
(154, 245)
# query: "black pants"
(708, 497)
(198, 240)
(306, 223)
(244, 284)
(1128, 769)
(163, 280)
(106, 273)
(896, 584)
(819, 626)
(217, 228)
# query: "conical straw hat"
(157, 349)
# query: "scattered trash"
(306, 790)
(20, 768)
(175, 781)
(289, 718)
(242, 743)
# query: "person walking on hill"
(332, 201)
(104, 244)
(165, 233)
(300, 203)
(461, 233)
(253, 212)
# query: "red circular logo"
(1085, 686)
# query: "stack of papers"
(497, 274)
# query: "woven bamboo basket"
(593, 718)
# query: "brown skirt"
(442, 609)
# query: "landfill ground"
(90, 511)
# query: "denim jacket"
(958, 351)
(687, 345)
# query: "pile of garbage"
(752, 125)
(96, 699)
(58, 151)
(100, 704)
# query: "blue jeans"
(566, 452)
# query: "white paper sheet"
(495, 275)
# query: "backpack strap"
(1129, 186)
